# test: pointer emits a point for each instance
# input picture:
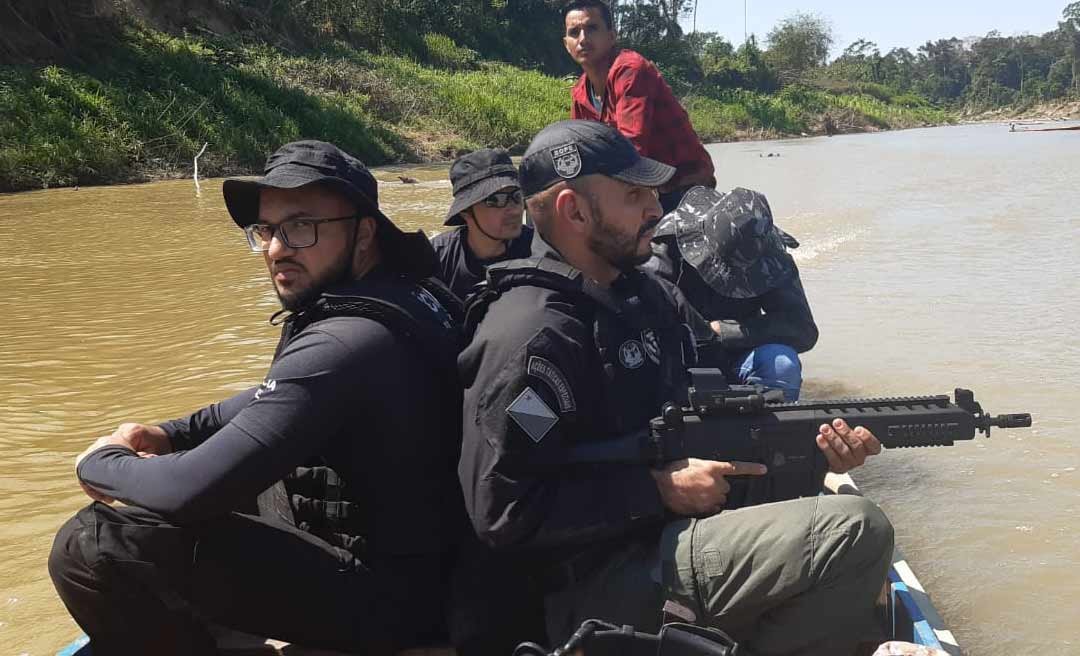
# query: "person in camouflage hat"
(731, 261)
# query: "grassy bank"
(144, 109)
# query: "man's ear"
(366, 228)
(572, 210)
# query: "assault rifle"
(751, 424)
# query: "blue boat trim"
(77, 648)
(913, 611)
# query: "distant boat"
(1070, 127)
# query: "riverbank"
(145, 108)
(1057, 110)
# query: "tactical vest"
(643, 344)
(426, 314)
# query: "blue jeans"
(771, 365)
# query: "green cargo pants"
(797, 577)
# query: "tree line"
(993, 70)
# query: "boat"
(908, 614)
(1062, 129)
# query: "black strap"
(599, 638)
(443, 352)
(544, 272)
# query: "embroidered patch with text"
(567, 160)
(554, 378)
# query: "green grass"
(152, 106)
(149, 108)
(148, 105)
(796, 110)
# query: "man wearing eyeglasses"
(487, 208)
(365, 342)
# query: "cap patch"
(533, 415)
(567, 160)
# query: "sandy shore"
(1061, 110)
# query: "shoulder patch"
(546, 371)
(533, 415)
(267, 386)
(433, 304)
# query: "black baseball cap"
(301, 163)
(571, 149)
(477, 175)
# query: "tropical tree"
(1071, 29)
(799, 43)
(861, 61)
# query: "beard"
(618, 249)
(298, 297)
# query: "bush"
(442, 52)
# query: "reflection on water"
(933, 259)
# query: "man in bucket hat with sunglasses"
(487, 211)
(351, 553)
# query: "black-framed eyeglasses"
(503, 198)
(295, 233)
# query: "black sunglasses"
(503, 198)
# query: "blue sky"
(902, 24)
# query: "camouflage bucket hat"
(730, 240)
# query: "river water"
(933, 259)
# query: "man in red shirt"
(623, 89)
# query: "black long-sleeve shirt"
(345, 390)
(460, 269)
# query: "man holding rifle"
(577, 347)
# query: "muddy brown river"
(933, 259)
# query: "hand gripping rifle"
(751, 424)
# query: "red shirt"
(640, 104)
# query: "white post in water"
(198, 190)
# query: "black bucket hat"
(730, 240)
(476, 176)
(303, 163)
(569, 149)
